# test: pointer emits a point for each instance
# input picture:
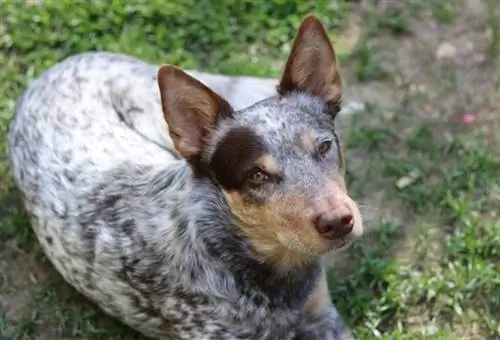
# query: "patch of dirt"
(21, 276)
(459, 89)
(463, 83)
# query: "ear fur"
(191, 110)
(312, 65)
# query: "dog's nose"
(334, 224)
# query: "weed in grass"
(78, 320)
(443, 11)
(396, 21)
(368, 66)
(3, 326)
(371, 138)
(28, 325)
(494, 22)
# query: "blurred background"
(421, 128)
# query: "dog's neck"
(215, 233)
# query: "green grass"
(495, 28)
(429, 267)
(71, 315)
(446, 276)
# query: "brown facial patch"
(235, 155)
(279, 230)
(312, 65)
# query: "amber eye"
(258, 177)
(324, 147)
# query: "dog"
(186, 204)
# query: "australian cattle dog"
(191, 205)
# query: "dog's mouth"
(344, 243)
(338, 244)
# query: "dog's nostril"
(323, 225)
(336, 225)
(347, 220)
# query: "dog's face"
(279, 162)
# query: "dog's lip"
(342, 243)
(335, 244)
(346, 241)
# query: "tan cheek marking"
(268, 163)
(276, 236)
(307, 140)
(239, 208)
(319, 297)
(258, 223)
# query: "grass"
(495, 41)
(447, 279)
(428, 268)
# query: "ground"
(423, 154)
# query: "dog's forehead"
(288, 128)
(279, 118)
(279, 135)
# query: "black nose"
(334, 224)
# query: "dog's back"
(98, 96)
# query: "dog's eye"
(258, 177)
(324, 147)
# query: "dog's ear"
(191, 110)
(312, 66)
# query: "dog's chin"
(342, 245)
(324, 247)
(298, 249)
(332, 246)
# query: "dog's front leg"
(321, 320)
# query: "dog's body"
(157, 228)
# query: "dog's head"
(279, 162)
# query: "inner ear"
(312, 65)
(191, 110)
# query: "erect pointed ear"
(312, 66)
(191, 110)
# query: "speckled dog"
(184, 214)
